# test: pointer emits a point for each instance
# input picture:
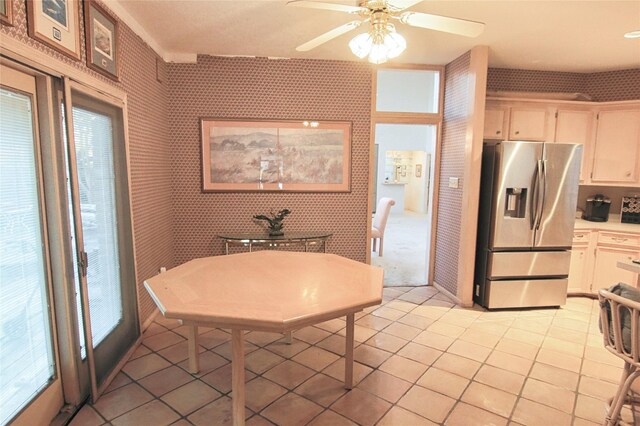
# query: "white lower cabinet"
(606, 272)
(594, 260)
(578, 282)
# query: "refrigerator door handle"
(543, 190)
(535, 198)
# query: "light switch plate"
(454, 182)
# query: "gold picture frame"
(101, 40)
(55, 23)
(276, 156)
(6, 12)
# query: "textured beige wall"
(457, 101)
(602, 86)
(259, 88)
(149, 145)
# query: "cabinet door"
(616, 147)
(606, 272)
(528, 124)
(578, 282)
(575, 127)
(494, 123)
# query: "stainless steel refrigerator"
(528, 196)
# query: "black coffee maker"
(597, 208)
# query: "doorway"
(407, 114)
(404, 172)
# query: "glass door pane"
(27, 363)
(93, 134)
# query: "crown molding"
(184, 58)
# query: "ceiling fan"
(381, 42)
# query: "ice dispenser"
(516, 202)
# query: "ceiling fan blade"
(398, 5)
(442, 23)
(327, 6)
(329, 35)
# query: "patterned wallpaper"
(456, 104)
(259, 88)
(602, 87)
(148, 144)
(614, 85)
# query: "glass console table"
(302, 239)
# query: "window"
(407, 90)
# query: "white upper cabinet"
(616, 149)
(575, 126)
(494, 120)
(528, 124)
(608, 131)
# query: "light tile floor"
(420, 361)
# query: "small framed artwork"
(286, 156)
(101, 32)
(55, 23)
(6, 12)
(418, 170)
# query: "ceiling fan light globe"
(378, 54)
(361, 45)
(395, 44)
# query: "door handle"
(536, 210)
(83, 263)
(543, 189)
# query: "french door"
(68, 311)
(29, 366)
(104, 276)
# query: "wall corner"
(477, 86)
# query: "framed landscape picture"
(303, 156)
(101, 30)
(6, 12)
(56, 24)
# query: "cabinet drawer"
(628, 240)
(581, 237)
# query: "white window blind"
(93, 135)
(26, 357)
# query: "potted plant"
(275, 224)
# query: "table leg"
(226, 247)
(194, 357)
(348, 353)
(288, 339)
(237, 376)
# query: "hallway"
(405, 245)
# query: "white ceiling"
(579, 36)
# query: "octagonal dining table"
(273, 291)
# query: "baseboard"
(448, 294)
(149, 321)
(581, 294)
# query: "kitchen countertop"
(629, 266)
(612, 225)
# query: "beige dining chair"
(380, 222)
(620, 323)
